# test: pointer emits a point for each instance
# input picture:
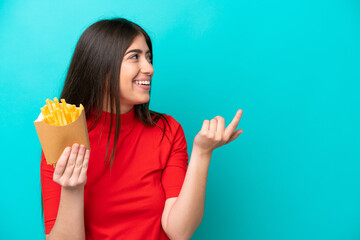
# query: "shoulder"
(171, 119)
(174, 123)
(171, 124)
(177, 131)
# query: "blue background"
(293, 67)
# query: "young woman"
(144, 189)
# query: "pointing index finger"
(234, 123)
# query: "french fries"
(60, 114)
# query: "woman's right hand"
(71, 168)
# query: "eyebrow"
(137, 51)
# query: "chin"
(143, 102)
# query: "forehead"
(139, 43)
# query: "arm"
(187, 212)
(69, 222)
(70, 173)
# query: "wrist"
(72, 190)
(201, 151)
(200, 159)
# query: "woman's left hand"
(213, 133)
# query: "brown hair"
(94, 71)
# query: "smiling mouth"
(143, 83)
(145, 87)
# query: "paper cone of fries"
(54, 139)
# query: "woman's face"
(136, 65)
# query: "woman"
(145, 188)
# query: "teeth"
(143, 82)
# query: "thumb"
(235, 135)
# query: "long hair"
(95, 69)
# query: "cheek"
(127, 75)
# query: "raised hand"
(213, 133)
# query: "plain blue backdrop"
(291, 66)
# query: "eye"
(149, 57)
(132, 57)
(136, 56)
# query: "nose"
(147, 68)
